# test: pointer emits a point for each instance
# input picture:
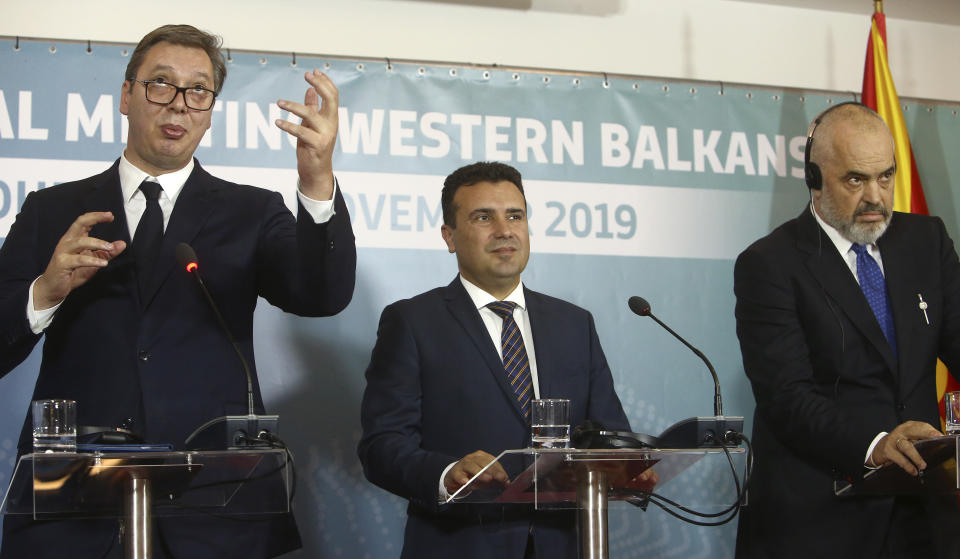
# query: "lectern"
(584, 479)
(138, 486)
(940, 477)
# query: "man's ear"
(815, 196)
(447, 232)
(125, 97)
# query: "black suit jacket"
(162, 366)
(436, 391)
(826, 381)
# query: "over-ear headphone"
(811, 171)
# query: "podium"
(138, 486)
(940, 477)
(586, 480)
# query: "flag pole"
(878, 6)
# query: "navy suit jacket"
(436, 391)
(826, 381)
(162, 366)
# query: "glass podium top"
(550, 477)
(85, 485)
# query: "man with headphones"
(841, 315)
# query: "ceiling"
(933, 11)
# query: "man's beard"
(862, 233)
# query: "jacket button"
(901, 407)
(332, 246)
(143, 355)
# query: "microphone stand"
(230, 431)
(695, 432)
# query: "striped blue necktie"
(515, 361)
(874, 288)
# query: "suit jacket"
(437, 391)
(826, 381)
(161, 365)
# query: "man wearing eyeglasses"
(90, 265)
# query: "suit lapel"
(462, 309)
(901, 286)
(193, 207)
(834, 276)
(540, 325)
(106, 196)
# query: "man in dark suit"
(441, 401)
(842, 314)
(128, 335)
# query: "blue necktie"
(874, 288)
(515, 361)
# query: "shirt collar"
(171, 183)
(481, 298)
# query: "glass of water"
(951, 405)
(54, 425)
(550, 423)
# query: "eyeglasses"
(195, 97)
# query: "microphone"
(700, 431)
(187, 258)
(640, 306)
(234, 430)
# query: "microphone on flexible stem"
(640, 306)
(695, 431)
(235, 431)
(187, 258)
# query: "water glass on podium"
(951, 406)
(54, 425)
(550, 423)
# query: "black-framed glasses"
(196, 97)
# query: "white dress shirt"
(494, 323)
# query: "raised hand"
(316, 134)
(75, 260)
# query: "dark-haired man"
(90, 265)
(841, 314)
(441, 401)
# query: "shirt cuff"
(320, 210)
(444, 494)
(39, 320)
(866, 461)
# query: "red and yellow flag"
(880, 94)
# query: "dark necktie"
(515, 361)
(874, 288)
(149, 235)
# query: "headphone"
(811, 171)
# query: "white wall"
(724, 40)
